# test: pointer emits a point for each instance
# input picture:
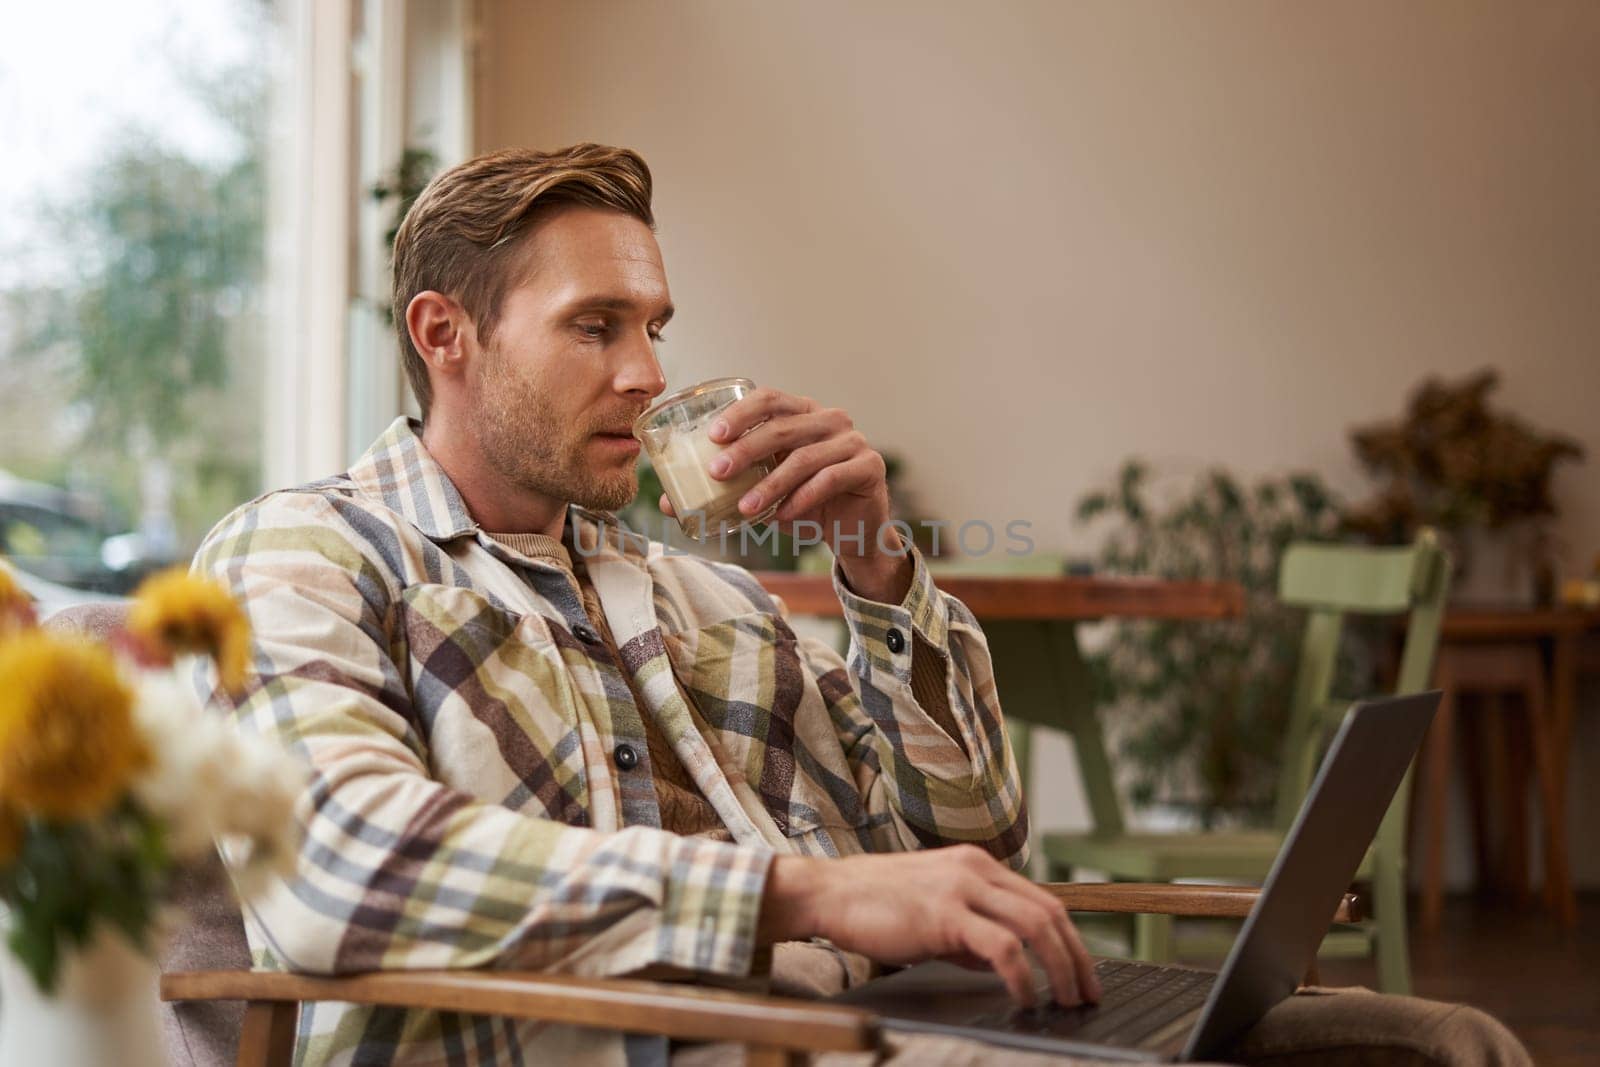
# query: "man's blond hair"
(464, 235)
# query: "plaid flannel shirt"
(467, 808)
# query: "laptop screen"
(1340, 817)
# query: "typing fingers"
(1086, 982)
(1001, 950)
(1037, 925)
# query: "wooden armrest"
(690, 1013)
(1210, 901)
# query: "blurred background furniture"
(1330, 582)
(1488, 653)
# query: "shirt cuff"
(711, 906)
(883, 632)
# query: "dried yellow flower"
(176, 612)
(68, 740)
(16, 606)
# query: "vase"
(1499, 567)
(104, 1009)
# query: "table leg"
(1021, 736)
(1496, 880)
(1477, 741)
(1436, 756)
(1516, 730)
(1094, 762)
(1558, 738)
(1544, 755)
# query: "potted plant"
(112, 777)
(1455, 463)
(1199, 709)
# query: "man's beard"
(525, 440)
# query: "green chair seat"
(1159, 857)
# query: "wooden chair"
(220, 1011)
(773, 1030)
(1330, 582)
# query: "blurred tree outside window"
(131, 278)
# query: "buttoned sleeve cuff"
(711, 906)
(883, 633)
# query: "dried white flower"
(212, 786)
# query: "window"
(131, 278)
(193, 266)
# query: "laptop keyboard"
(1137, 999)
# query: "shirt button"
(627, 757)
(895, 640)
(585, 634)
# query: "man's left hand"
(826, 474)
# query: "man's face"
(572, 360)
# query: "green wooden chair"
(1043, 680)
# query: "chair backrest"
(1043, 679)
(211, 937)
(1333, 582)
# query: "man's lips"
(617, 439)
(621, 429)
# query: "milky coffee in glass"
(675, 434)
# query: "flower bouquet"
(112, 776)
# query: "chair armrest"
(687, 1012)
(691, 1013)
(1210, 901)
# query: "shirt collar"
(399, 470)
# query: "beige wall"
(1021, 241)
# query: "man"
(537, 744)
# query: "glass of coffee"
(675, 434)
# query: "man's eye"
(658, 337)
(594, 330)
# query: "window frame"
(364, 79)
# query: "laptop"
(1151, 1012)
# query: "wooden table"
(1031, 626)
(1038, 599)
(1494, 643)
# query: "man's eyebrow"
(615, 303)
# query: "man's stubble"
(530, 444)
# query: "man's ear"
(441, 331)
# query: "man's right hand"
(956, 903)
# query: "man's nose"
(640, 371)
